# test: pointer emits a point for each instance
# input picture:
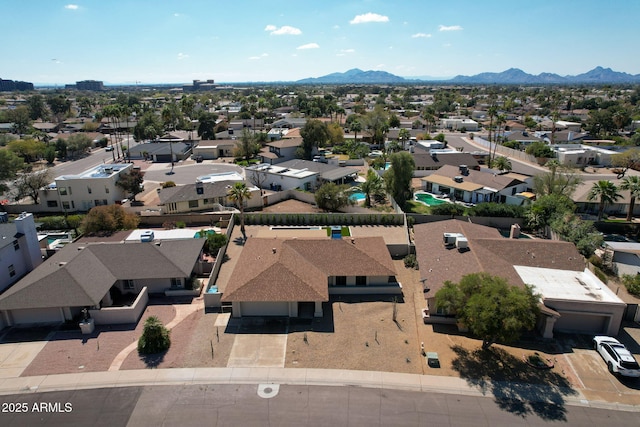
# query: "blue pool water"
(212, 290)
(357, 196)
(207, 232)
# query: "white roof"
(223, 176)
(567, 285)
(174, 234)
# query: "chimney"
(273, 250)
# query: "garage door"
(585, 323)
(36, 315)
(265, 309)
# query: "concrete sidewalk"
(281, 376)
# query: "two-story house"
(19, 249)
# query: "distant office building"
(10, 85)
(200, 85)
(94, 85)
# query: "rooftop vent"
(458, 178)
(464, 169)
(449, 239)
(62, 263)
(462, 243)
(273, 250)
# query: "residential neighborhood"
(339, 236)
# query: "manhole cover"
(267, 391)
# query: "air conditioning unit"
(449, 239)
(462, 243)
(458, 178)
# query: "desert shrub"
(168, 184)
(410, 261)
(155, 337)
(632, 283)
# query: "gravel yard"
(70, 351)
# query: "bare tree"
(29, 184)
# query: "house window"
(106, 190)
(65, 205)
(193, 203)
(12, 271)
(442, 311)
(16, 245)
(341, 280)
(206, 201)
(62, 191)
(73, 205)
(52, 203)
(104, 202)
(513, 191)
(128, 284)
(89, 190)
(361, 280)
(96, 202)
(176, 282)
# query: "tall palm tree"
(355, 127)
(606, 191)
(372, 186)
(632, 185)
(238, 194)
(502, 163)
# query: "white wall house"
(19, 249)
(93, 187)
(282, 178)
(458, 124)
(582, 155)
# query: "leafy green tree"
(148, 127)
(314, 134)
(29, 149)
(539, 149)
(632, 185)
(248, 147)
(560, 180)
(606, 192)
(632, 283)
(37, 108)
(332, 197)
(398, 177)
(214, 242)
(109, 219)
(155, 337)
(547, 208)
(239, 193)
(377, 123)
(10, 164)
(50, 154)
(78, 143)
(581, 233)
(394, 121)
(492, 309)
(451, 209)
(131, 182)
(59, 106)
(21, 120)
(207, 126)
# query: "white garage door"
(265, 309)
(36, 315)
(586, 323)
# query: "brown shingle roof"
(488, 252)
(298, 269)
(485, 179)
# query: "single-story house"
(426, 163)
(572, 298)
(625, 257)
(212, 149)
(91, 275)
(203, 196)
(582, 155)
(459, 124)
(303, 174)
(162, 152)
(286, 277)
(472, 186)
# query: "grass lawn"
(413, 206)
(344, 231)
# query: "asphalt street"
(274, 405)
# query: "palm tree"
(632, 185)
(606, 191)
(355, 127)
(502, 163)
(238, 194)
(404, 135)
(372, 186)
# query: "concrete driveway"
(15, 357)
(258, 350)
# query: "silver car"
(619, 360)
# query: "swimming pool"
(429, 200)
(207, 232)
(357, 196)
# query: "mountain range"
(598, 75)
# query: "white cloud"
(308, 46)
(347, 50)
(71, 7)
(182, 56)
(255, 58)
(176, 14)
(380, 66)
(284, 30)
(420, 35)
(369, 17)
(449, 28)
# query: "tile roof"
(426, 160)
(488, 251)
(484, 179)
(185, 193)
(81, 274)
(286, 142)
(298, 269)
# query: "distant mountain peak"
(357, 76)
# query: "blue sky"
(156, 41)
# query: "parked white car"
(619, 360)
